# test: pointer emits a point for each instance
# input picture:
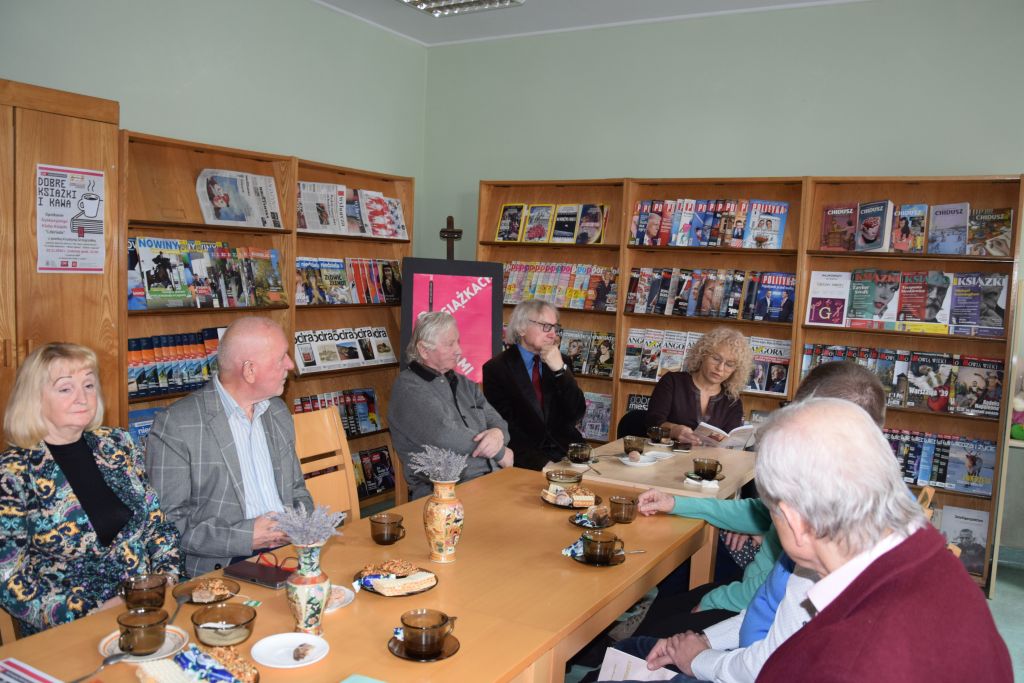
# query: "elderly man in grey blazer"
(224, 457)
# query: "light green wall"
(883, 87)
(282, 76)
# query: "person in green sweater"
(671, 613)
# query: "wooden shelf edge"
(589, 376)
(949, 492)
(959, 416)
(165, 225)
(710, 319)
(899, 333)
(343, 306)
(354, 437)
(1016, 443)
(549, 245)
(305, 234)
(570, 310)
(343, 371)
(712, 250)
(134, 400)
(186, 310)
(966, 258)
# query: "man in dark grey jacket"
(432, 404)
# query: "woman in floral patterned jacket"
(77, 514)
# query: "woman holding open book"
(707, 389)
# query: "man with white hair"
(893, 603)
(223, 457)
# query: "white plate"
(661, 455)
(276, 651)
(340, 597)
(646, 460)
(174, 643)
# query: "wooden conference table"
(523, 608)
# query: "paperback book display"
(560, 224)
(735, 223)
(596, 421)
(928, 301)
(320, 281)
(337, 210)
(881, 226)
(357, 408)
(238, 199)
(173, 273)
(589, 353)
(345, 347)
(968, 529)
(712, 293)
(929, 381)
(172, 363)
(944, 461)
(374, 472)
(577, 286)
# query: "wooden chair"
(8, 631)
(326, 461)
(924, 499)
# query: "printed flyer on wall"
(69, 220)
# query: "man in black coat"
(531, 385)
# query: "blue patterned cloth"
(53, 568)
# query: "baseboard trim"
(1011, 556)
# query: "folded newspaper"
(710, 435)
(236, 198)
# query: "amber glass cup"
(623, 509)
(144, 591)
(142, 631)
(424, 631)
(579, 453)
(599, 546)
(706, 468)
(386, 528)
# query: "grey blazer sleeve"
(278, 424)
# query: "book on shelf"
(738, 438)
(510, 222)
(766, 224)
(539, 219)
(827, 295)
(591, 225)
(968, 529)
(563, 229)
(596, 420)
(978, 304)
(838, 227)
(238, 199)
(947, 228)
(321, 208)
(990, 232)
(910, 228)
(874, 225)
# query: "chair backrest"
(326, 461)
(633, 423)
(8, 631)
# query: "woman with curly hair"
(77, 514)
(707, 389)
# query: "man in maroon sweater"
(893, 603)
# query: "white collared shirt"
(258, 484)
(825, 591)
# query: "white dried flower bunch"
(438, 464)
(308, 528)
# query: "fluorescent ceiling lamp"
(450, 8)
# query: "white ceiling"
(543, 16)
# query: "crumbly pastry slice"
(404, 585)
(209, 590)
(397, 567)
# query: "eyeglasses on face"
(547, 327)
(718, 360)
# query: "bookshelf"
(800, 254)
(158, 177)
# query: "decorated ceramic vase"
(308, 590)
(442, 519)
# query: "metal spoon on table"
(107, 661)
(181, 599)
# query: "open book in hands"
(711, 435)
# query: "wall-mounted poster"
(69, 220)
(469, 290)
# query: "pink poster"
(469, 299)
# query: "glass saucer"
(617, 558)
(450, 647)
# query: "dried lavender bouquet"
(438, 464)
(308, 528)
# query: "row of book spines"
(651, 290)
(347, 281)
(564, 285)
(376, 462)
(357, 408)
(924, 459)
(708, 223)
(172, 363)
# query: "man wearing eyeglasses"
(223, 457)
(531, 385)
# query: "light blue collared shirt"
(528, 357)
(258, 484)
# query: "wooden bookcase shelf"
(343, 371)
(251, 310)
(186, 227)
(312, 307)
(800, 253)
(303, 235)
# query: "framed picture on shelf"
(471, 291)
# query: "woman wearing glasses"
(531, 384)
(707, 389)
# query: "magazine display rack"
(800, 253)
(158, 176)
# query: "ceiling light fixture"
(450, 8)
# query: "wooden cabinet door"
(80, 308)
(8, 359)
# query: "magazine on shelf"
(774, 301)
(575, 346)
(910, 228)
(968, 529)
(263, 270)
(563, 230)
(236, 198)
(673, 352)
(873, 298)
(874, 226)
(826, 298)
(924, 301)
(971, 465)
(766, 224)
(397, 217)
(308, 286)
(376, 214)
(321, 208)
(947, 228)
(978, 305)
(679, 233)
(590, 229)
(601, 356)
(140, 422)
(538, 222)
(650, 359)
(510, 222)
(354, 214)
(634, 350)
(771, 365)
(334, 281)
(931, 380)
(979, 386)
(838, 227)
(739, 438)
(597, 418)
(990, 232)
(136, 281)
(163, 272)
(348, 348)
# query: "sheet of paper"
(619, 666)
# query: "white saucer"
(340, 597)
(174, 642)
(661, 455)
(276, 650)
(646, 460)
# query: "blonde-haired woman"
(707, 389)
(77, 515)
